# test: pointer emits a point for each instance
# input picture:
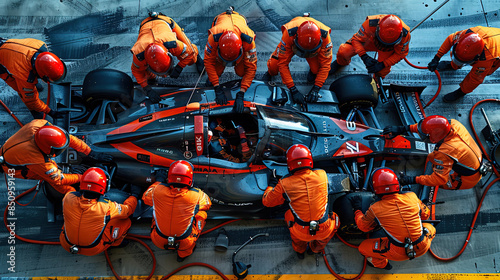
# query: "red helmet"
(52, 140)
(95, 180)
(181, 172)
(159, 60)
(389, 30)
(384, 181)
(435, 128)
(468, 48)
(49, 67)
(308, 37)
(298, 156)
(230, 48)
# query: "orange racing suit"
(400, 215)
(458, 145)
(488, 61)
(17, 69)
(93, 225)
(319, 62)
(365, 40)
(21, 153)
(246, 65)
(162, 30)
(179, 213)
(307, 193)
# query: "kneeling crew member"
(92, 223)
(400, 216)
(456, 159)
(30, 151)
(310, 225)
(179, 209)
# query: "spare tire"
(107, 84)
(357, 90)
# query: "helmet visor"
(424, 136)
(168, 71)
(457, 61)
(301, 52)
(230, 63)
(46, 79)
(56, 151)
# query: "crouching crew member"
(387, 35)
(93, 223)
(456, 159)
(306, 189)
(30, 151)
(308, 38)
(231, 43)
(179, 209)
(400, 216)
(160, 39)
(476, 46)
(22, 63)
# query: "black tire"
(107, 84)
(357, 90)
(342, 207)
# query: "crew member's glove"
(135, 191)
(77, 169)
(377, 67)
(444, 66)
(152, 94)
(241, 132)
(100, 156)
(313, 95)
(368, 60)
(394, 130)
(296, 95)
(161, 175)
(406, 180)
(220, 97)
(56, 115)
(273, 181)
(356, 202)
(176, 72)
(432, 66)
(238, 102)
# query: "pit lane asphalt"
(111, 29)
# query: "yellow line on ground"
(438, 276)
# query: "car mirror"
(193, 106)
(281, 168)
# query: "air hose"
(485, 154)
(11, 113)
(439, 81)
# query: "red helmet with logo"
(51, 140)
(298, 156)
(384, 181)
(159, 60)
(181, 172)
(230, 46)
(468, 48)
(308, 36)
(94, 180)
(389, 30)
(49, 67)
(435, 128)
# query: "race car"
(187, 124)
